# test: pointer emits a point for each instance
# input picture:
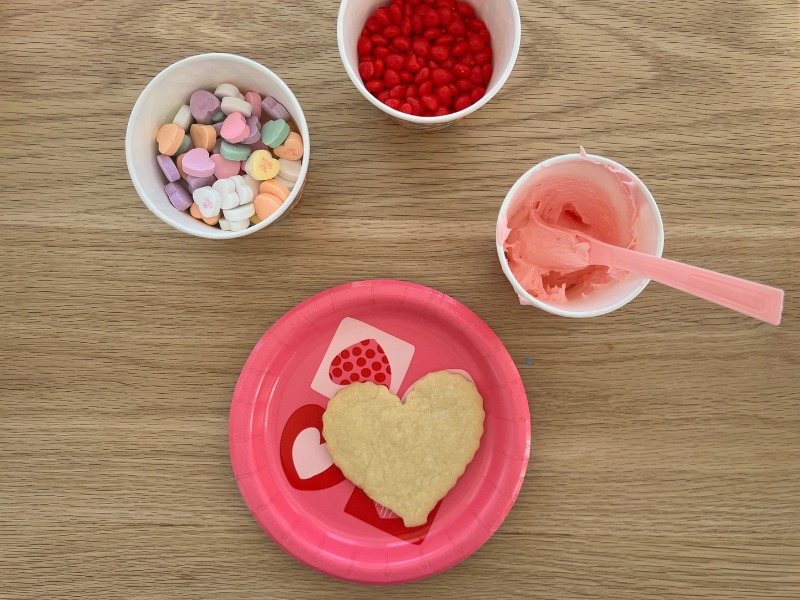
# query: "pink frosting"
(582, 195)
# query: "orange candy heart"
(179, 164)
(169, 138)
(266, 204)
(291, 148)
(276, 188)
(203, 136)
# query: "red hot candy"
(425, 57)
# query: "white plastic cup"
(159, 102)
(502, 21)
(649, 239)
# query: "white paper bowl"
(159, 102)
(650, 239)
(502, 21)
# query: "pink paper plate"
(285, 473)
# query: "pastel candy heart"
(203, 136)
(266, 205)
(203, 105)
(245, 194)
(208, 200)
(183, 118)
(224, 167)
(405, 456)
(234, 151)
(179, 197)
(227, 190)
(168, 167)
(254, 100)
(185, 143)
(179, 164)
(273, 133)
(252, 184)
(261, 165)
(364, 361)
(291, 148)
(198, 182)
(240, 213)
(290, 169)
(258, 145)
(254, 130)
(289, 184)
(275, 109)
(235, 128)
(274, 187)
(197, 162)
(231, 105)
(169, 138)
(218, 117)
(226, 89)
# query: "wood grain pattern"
(666, 454)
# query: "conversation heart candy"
(198, 182)
(178, 196)
(203, 136)
(197, 162)
(218, 117)
(274, 187)
(254, 100)
(234, 151)
(227, 190)
(290, 169)
(169, 138)
(194, 210)
(245, 194)
(208, 200)
(266, 205)
(230, 105)
(261, 165)
(240, 213)
(291, 148)
(185, 143)
(227, 89)
(184, 118)
(179, 164)
(253, 184)
(274, 133)
(212, 220)
(168, 167)
(227, 225)
(235, 128)
(289, 184)
(224, 167)
(255, 130)
(203, 105)
(275, 109)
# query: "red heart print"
(305, 417)
(364, 361)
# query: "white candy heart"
(239, 225)
(231, 104)
(208, 200)
(245, 194)
(224, 224)
(290, 169)
(238, 180)
(289, 184)
(253, 184)
(240, 213)
(227, 89)
(184, 118)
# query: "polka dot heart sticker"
(365, 361)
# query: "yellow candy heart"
(263, 166)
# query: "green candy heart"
(184, 145)
(220, 116)
(234, 151)
(273, 133)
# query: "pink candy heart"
(197, 163)
(235, 128)
(224, 168)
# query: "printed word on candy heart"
(216, 157)
(364, 361)
(425, 59)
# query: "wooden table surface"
(666, 444)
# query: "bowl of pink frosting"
(545, 212)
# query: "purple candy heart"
(255, 130)
(275, 109)
(168, 167)
(180, 198)
(196, 183)
(218, 127)
(204, 105)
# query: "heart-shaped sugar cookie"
(405, 456)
